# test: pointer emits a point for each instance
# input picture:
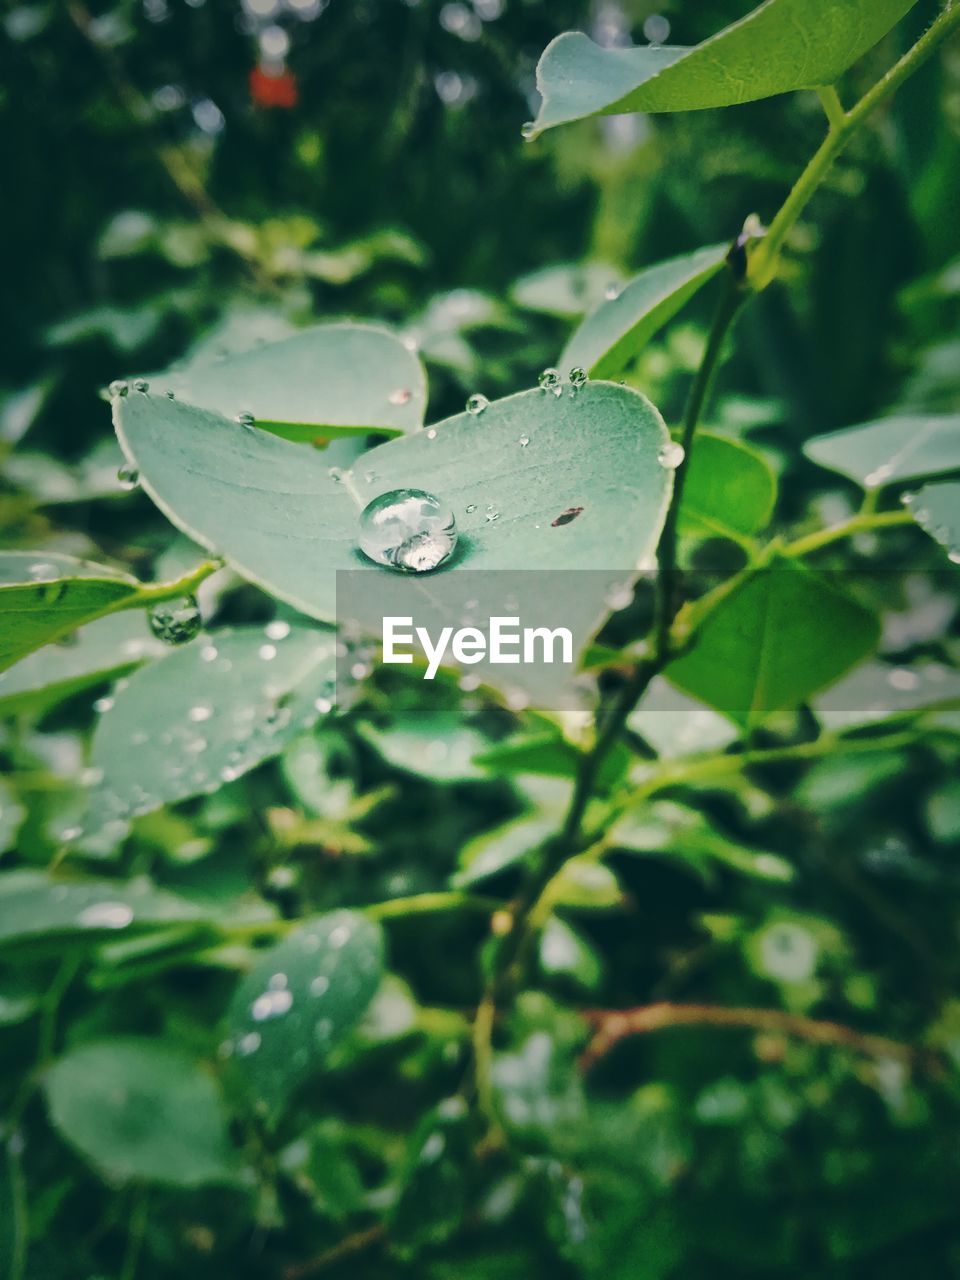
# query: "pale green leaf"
(609, 338)
(936, 509)
(886, 452)
(779, 46)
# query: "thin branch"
(349, 1247)
(615, 1025)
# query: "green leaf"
(730, 490)
(877, 690)
(567, 289)
(326, 381)
(675, 725)
(299, 1001)
(435, 1185)
(564, 953)
(505, 846)
(893, 449)
(610, 337)
(102, 650)
(936, 509)
(435, 745)
(207, 713)
(781, 45)
(769, 639)
(46, 595)
(273, 510)
(141, 1110)
(34, 906)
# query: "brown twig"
(359, 1242)
(614, 1025)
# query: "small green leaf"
(207, 713)
(936, 509)
(610, 337)
(770, 639)
(102, 650)
(142, 1111)
(326, 381)
(34, 906)
(299, 1001)
(503, 847)
(46, 595)
(730, 490)
(781, 45)
(893, 449)
(274, 511)
(564, 953)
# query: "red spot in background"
(565, 517)
(274, 88)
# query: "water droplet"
(42, 569)
(141, 385)
(528, 130)
(476, 404)
(524, 441)
(200, 712)
(128, 477)
(320, 985)
(171, 395)
(176, 621)
(246, 419)
(491, 514)
(656, 28)
(91, 777)
(102, 704)
(408, 529)
(906, 498)
(272, 1004)
(903, 679)
(671, 455)
(323, 705)
(335, 474)
(578, 377)
(248, 1044)
(551, 381)
(106, 915)
(209, 653)
(118, 388)
(432, 433)
(565, 517)
(611, 292)
(402, 395)
(277, 630)
(470, 508)
(267, 652)
(339, 935)
(878, 476)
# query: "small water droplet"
(408, 529)
(209, 653)
(671, 455)
(335, 474)
(118, 388)
(491, 514)
(476, 404)
(320, 985)
(272, 1004)
(128, 477)
(141, 385)
(432, 433)
(550, 380)
(202, 711)
(577, 377)
(106, 915)
(470, 508)
(248, 1044)
(171, 395)
(246, 419)
(906, 498)
(323, 705)
(528, 130)
(176, 621)
(402, 395)
(279, 629)
(267, 652)
(524, 441)
(102, 705)
(611, 292)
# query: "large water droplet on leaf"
(671, 455)
(408, 529)
(175, 621)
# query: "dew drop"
(577, 377)
(128, 477)
(402, 395)
(277, 630)
(102, 704)
(551, 381)
(141, 385)
(176, 621)
(611, 292)
(202, 711)
(408, 529)
(320, 985)
(246, 419)
(491, 514)
(106, 915)
(432, 433)
(272, 1004)
(476, 404)
(335, 474)
(524, 441)
(117, 388)
(671, 455)
(528, 130)
(248, 1044)
(470, 508)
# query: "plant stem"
(842, 128)
(832, 106)
(862, 522)
(617, 1024)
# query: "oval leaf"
(141, 1111)
(299, 1001)
(609, 338)
(45, 595)
(329, 380)
(207, 713)
(769, 640)
(730, 490)
(274, 511)
(780, 46)
(893, 449)
(936, 509)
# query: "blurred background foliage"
(181, 170)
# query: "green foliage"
(443, 979)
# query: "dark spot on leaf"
(565, 517)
